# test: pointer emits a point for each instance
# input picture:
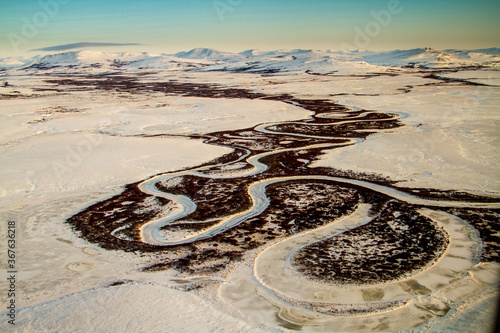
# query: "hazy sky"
(235, 25)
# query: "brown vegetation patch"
(395, 244)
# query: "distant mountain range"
(204, 53)
(257, 61)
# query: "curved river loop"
(201, 234)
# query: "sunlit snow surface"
(450, 141)
(63, 150)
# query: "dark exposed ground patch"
(130, 208)
(292, 210)
(215, 198)
(395, 244)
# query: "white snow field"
(63, 148)
(450, 141)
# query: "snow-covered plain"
(52, 169)
(62, 151)
(450, 141)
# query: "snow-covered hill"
(482, 55)
(97, 60)
(204, 53)
(166, 62)
(420, 58)
(12, 62)
(328, 61)
(92, 57)
(311, 61)
(253, 52)
(258, 61)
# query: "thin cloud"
(80, 45)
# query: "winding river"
(272, 287)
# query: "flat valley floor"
(220, 201)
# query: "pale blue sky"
(235, 25)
